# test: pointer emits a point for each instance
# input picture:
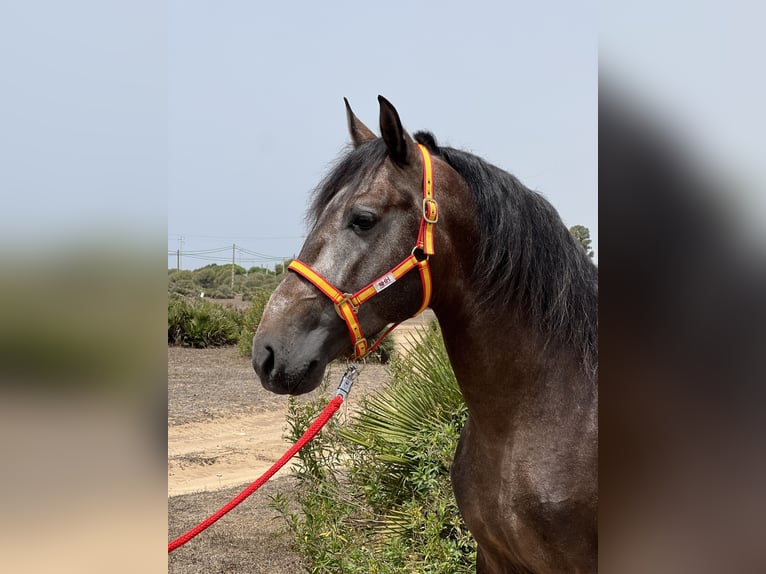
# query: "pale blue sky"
(83, 122)
(215, 120)
(256, 110)
(700, 78)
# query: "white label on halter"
(383, 282)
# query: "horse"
(516, 299)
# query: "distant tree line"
(217, 281)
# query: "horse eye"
(363, 221)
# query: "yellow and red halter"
(347, 304)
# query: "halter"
(347, 304)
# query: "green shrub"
(220, 292)
(200, 323)
(374, 492)
(259, 282)
(216, 281)
(182, 283)
(250, 321)
(183, 287)
(207, 277)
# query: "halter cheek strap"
(347, 304)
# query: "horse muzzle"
(286, 370)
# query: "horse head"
(364, 220)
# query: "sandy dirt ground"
(223, 452)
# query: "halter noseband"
(347, 304)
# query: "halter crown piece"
(347, 304)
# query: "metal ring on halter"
(422, 256)
(346, 299)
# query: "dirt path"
(223, 452)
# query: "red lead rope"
(315, 427)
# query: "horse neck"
(501, 359)
(504, 366)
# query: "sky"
(210, 123)
(256, 114)
(700, 78)
(83, 123)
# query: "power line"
(239, 254)
(204, 251)
(240, 237)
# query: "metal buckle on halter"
(347, 300)
(429, 202)
(360, 348)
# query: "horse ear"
(397, 140)
(360, 133)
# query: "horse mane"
(526, 254)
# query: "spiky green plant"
(199, 323)
(374, 492)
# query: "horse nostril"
(268, 363)
(263, 360)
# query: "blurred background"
(682, 281)
(83, 208)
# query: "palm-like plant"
(396, 425)
(388, 494)
(199, 323)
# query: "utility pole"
(178, 252)
(178, 259)
(233, 247)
